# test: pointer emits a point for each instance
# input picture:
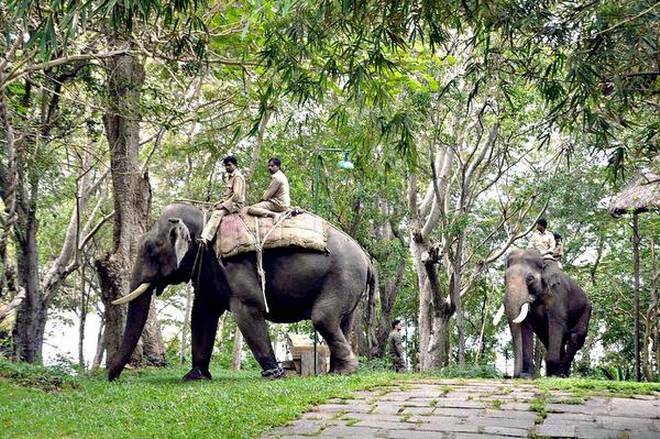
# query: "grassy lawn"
(35, 402)
(157, 403)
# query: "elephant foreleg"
(253, 326)
(204, 325)
(527, 350)
(556, 333)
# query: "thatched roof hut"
(641, 194)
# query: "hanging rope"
(259, 248)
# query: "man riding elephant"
(545, 301)
(233, 199)
(276, 199)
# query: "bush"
(375, 364)
(49, 379)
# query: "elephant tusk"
(524, 309)
(133, 295)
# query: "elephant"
(299, 284)
(542, 299)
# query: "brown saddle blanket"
(238, 233)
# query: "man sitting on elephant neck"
(233, 199)
(542, 240)
(276, 199)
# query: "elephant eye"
(530, 278)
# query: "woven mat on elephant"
(238, 232)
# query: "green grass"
(47, 403)
(581, 387)
(538, 405)
(156, 403)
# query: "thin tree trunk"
(481, 347)
(186, 325)
(83, 318)
(100, 347)
(651, 328)
(455, 285)
(636, 241)
(238, 350)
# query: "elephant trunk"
(516, 303)
(138, 310)
(516, 335)
(517, 299)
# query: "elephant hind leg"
(328, 323)
(575, 340)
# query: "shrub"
(48, 379)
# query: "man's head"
(396, 324)
(230, 163)
(541, 225)
(274, 165)
(557, 236)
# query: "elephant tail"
(372, 283)
(370, 287)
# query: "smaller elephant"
(541, 299)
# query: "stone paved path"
(476, 409)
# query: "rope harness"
(259, 248)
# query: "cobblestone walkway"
(476, 409)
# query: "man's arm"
(272, 189)
(238, 189)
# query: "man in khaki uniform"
(233, 199)
(396, 350)
(543, 240)
(276, 199)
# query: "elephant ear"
(180, 239)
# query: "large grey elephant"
(542, 299)
(300, 284)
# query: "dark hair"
(230, 159)
(542, 222)
(275, 161)
(395, 322)
(556, 235)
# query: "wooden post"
(636, 241)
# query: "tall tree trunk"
(434, 311)
(152, 339)
(20, 196)
(131, 189)
(31, 318)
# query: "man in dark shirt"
(396, 350)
